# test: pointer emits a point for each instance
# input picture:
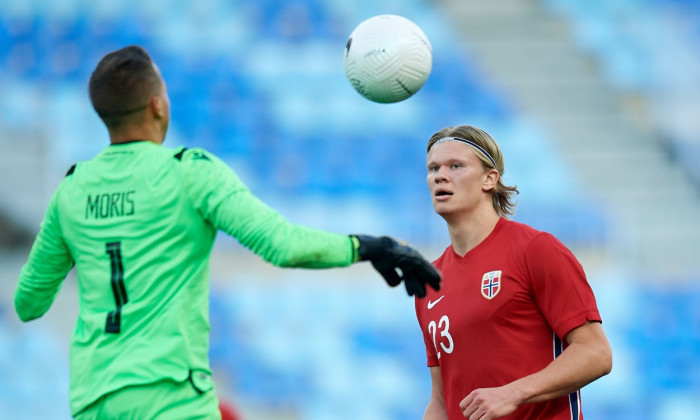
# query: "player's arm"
(47, 265)
(566, 300)
(436, 406)
(587, 358)
(223, 200)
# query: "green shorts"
(163, 400)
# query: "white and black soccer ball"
(388, 58)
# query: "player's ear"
(157, 104)
(491, 178)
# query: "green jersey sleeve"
(47, 265)
(225, 202)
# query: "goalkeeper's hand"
(396, 262)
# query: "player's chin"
(443, 209)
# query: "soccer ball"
(388, 58)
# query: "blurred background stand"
(594, 103)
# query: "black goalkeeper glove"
(396, 261)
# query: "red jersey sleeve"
(559, 284)
(430, 351)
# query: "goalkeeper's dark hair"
(123, 83)
(502, 195)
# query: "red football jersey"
(502, 313)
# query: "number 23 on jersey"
(445, 339)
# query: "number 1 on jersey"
(114, 249)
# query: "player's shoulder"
(514, 226)
(197, 162)
(518, 232)
(68, 177)
(68, 181)
(71, 170)
(185, 154)
(530, 239)
(520, 238)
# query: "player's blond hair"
(502, 195)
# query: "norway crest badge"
(491, 284)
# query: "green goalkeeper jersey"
(138, 221)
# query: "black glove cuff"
(371, 248)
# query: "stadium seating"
(648, 48)
(264, 105)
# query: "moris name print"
(108, 205)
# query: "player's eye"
(456, 166)
(433, 168)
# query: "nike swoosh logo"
(431, 304)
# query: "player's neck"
(469, 231)
(130, 133)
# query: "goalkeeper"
(138, 221)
